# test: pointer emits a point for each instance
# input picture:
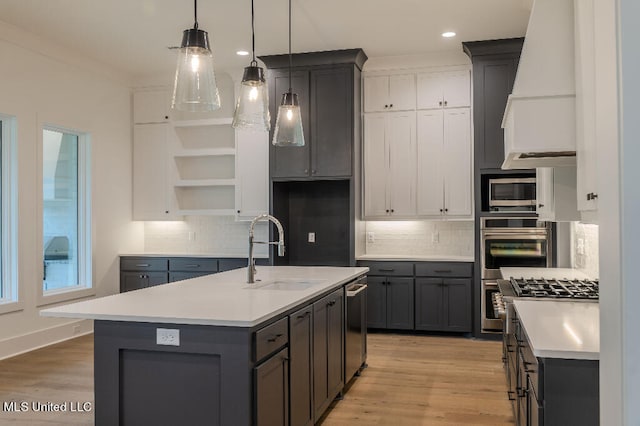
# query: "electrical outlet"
(312, 237)
(76, 329)
(168, 336)
(371, 237)
(191, 235)
(435, 237)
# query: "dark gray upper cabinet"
(495, 63)
(328, 88)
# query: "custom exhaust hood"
(540, 118)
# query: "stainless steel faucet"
(251, 269)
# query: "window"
(66, 224)
(8, 224)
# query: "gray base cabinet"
(430, 296)
(138, 272)
(301, 364)
(272, 390)
(328, 350)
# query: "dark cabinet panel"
(179, 276)
(443, 304)
(133, 280)
(301, 366)
(457, 304)
(400, 303)
(495, 63)
(332, 118)
(272, 390)
(429, 306)
(376, 302)
(328, 353)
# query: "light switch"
(371, 237)
(312, 237)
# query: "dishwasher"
(356, 328)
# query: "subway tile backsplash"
(420, 238)
(204, 235)
(584, 252)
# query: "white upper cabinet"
(446, 89)
(444, 163)
(555, 194)
(586, 107)
(153, 171)
(390, 93)
(151, 106)
(390, 165)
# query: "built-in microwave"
(512, 194)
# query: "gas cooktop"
(560, 289)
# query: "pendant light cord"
(290, 57)
(195, 14)
(253, 38)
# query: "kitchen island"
(215, 350)
(551, 356)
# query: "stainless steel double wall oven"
(509, 242)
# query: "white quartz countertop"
(204, 255)
(561, 329)
(416, 258)
(546, 273)
(223, 299)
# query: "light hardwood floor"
(411, 380)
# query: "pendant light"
(195, 86)
(252, 108)
(288, 131)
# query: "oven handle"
(511, 236)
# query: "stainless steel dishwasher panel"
(356, 327)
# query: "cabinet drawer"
(271, 338)
(193, 264)
(144, 263)
(444, 269)
(389, 268)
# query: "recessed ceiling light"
(242, 53)
(448, 34)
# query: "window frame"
(85, 248)
(10, 301)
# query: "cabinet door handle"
(143, 265)
(442, 271)
(386, 106)
(440, 103)
(386, 269)
(193, 265)
(511, 395)
(445, 103)
(391, 106)
(306, 314)
(446, 210)
(441, 210)
(276, 337)
(331, 303)
(313, 172)
(540, 206)
(387, 210)
(392, 210)
(306, 171)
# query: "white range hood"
(540, 119)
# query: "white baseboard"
(41, 338)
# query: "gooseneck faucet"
(251, 269)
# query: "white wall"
(42, 83)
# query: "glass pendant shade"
(288, 131)
(252, 108)
(195, 86)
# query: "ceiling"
(132, 36)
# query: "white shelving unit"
(204, 155)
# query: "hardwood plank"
(411, 380)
